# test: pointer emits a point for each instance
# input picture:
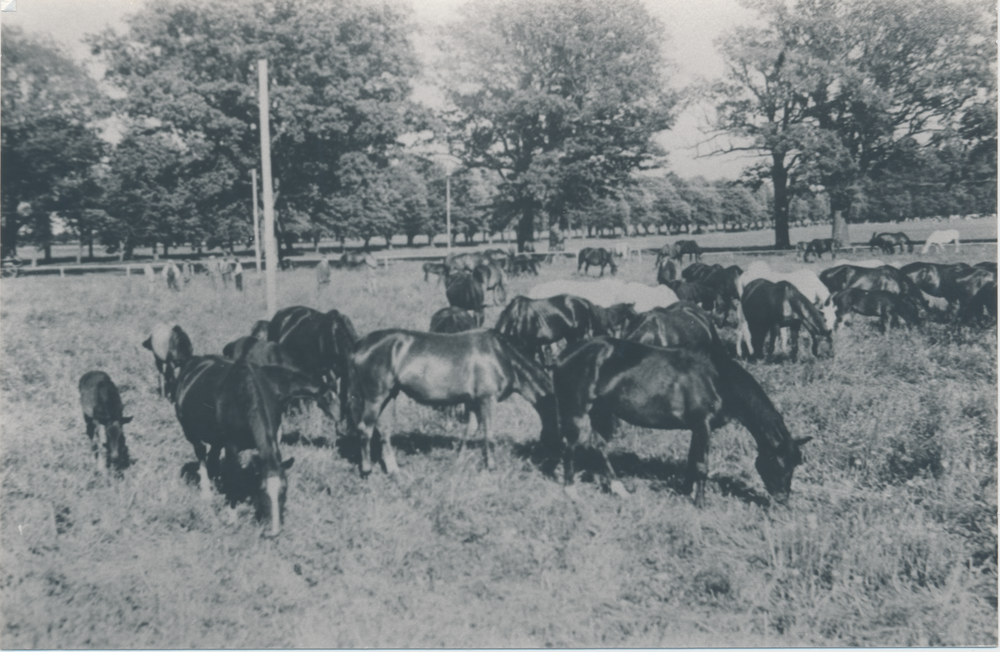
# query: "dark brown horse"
(697, 292)
(769, 307)
(102, 406)
(682, 247)
(491, 277)
(668, 389)
(725, 281)
(957, 283)
(475, 368)
(885, 278)
(596, 257)
(319, 344)
(171, 349)
(454, 320)
(465, 290)
(237, 406)
(888, 307)
(682, 324)
(820, 246)
(534, 324)
(888, 242)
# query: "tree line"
(859, 110)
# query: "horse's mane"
(530, 380)
(815, 323)
(518, 318)
(744, 399)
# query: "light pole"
(450, 164)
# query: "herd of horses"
(651, 356)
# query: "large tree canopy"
(830, 90)
(560, 98)
(340, 74)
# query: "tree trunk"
(79, 253)
(90, 244)
(48, 251)
(526, 228)
(841, 233)
(409, 239)
(779, 178)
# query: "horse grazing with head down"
(475, 368)
(237, 406)
(681, 247)
(769, 307)
(888, 242)
(667, 389)
(820, 246)
(171, 349)
(891, 309)
(102, 406)
(939, 239)
(596, 257)
(682, 324)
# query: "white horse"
(622, 249)
(940, 239)
(608, 292)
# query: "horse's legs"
(795, 342)
(697, 466)
(484, 415)
(770, 339)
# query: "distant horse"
(465, 290)
(939, 239)
(173, 276)
(888, 242)
(888, 307)
(454, 320)
(352, 260)
(771, 306)
(171, 348)
(475, 368)
(438, 269)
(622, 250)
(318, 343)
(323, 274)
(820, 246)
(684, 324)
(492, 278)
(532, 324)
(666, 272)
(238, 406)
(595, 257)
(682, 247)
(667, 389)
(523, 263)
(102, 406)
(726, 281)
(467, 261)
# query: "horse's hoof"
(618, 489)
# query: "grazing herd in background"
(650, 355)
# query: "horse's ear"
(287, 464)
(126, 420)
(148, 344)
(802, 440)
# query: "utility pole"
(270, 246)
(256, 221)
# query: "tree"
(560, 98)
(829, 89)
(50, 142)
(339, 77)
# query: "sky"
(691, 25)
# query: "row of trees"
(867, 110)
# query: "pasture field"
(889, 539)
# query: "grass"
(889, 538)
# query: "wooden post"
(256, 221)
(270, 246)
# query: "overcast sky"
(691, 25)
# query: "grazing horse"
(696, 292)
(173, 276)
(888, 307)
(475, 368)
(352, 260)
(888, 242)
(939, 239)
(102, 406)
(988, 265)
(599, 257)
(438, 269)
(532, 324)
(492, 278)
(768, 307)
(464, 290)
(726, 281)
(684, 324)
(522, 263)
(454, 320)
(171, 348)
(666, 272)
(820, 246)
(258, 352)
(668, 389)
(886, 278)
(467, 261)
(238, 406)
(318, 343)
(689, 247)
(622, 250)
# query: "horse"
(768, 307)
(607, 292)
(464, 290)
(888, 307)
(476, 368)
(805, 281)
(438, 269)
(352, 260)
(689, 247)
(323, 274)
(522, 263)
(666, 272)
(467, 261)
(668, 389)
(171, 348)
(599, 257)
(696, 292)
(939, 239)
(985, 299)
(888, 242)
(988, 265)
(319, 344)
(454, 320)
(492, 278)
(172, 274)
(885, 278)
(726, 281)
(258, 352)
(102, 406)
(531, 324)
(622, 250)
(819, 246)
(238, 406)
(684, 324)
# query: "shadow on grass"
(409, 443)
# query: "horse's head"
(114, 444)
(829, 312)
(777, 466)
